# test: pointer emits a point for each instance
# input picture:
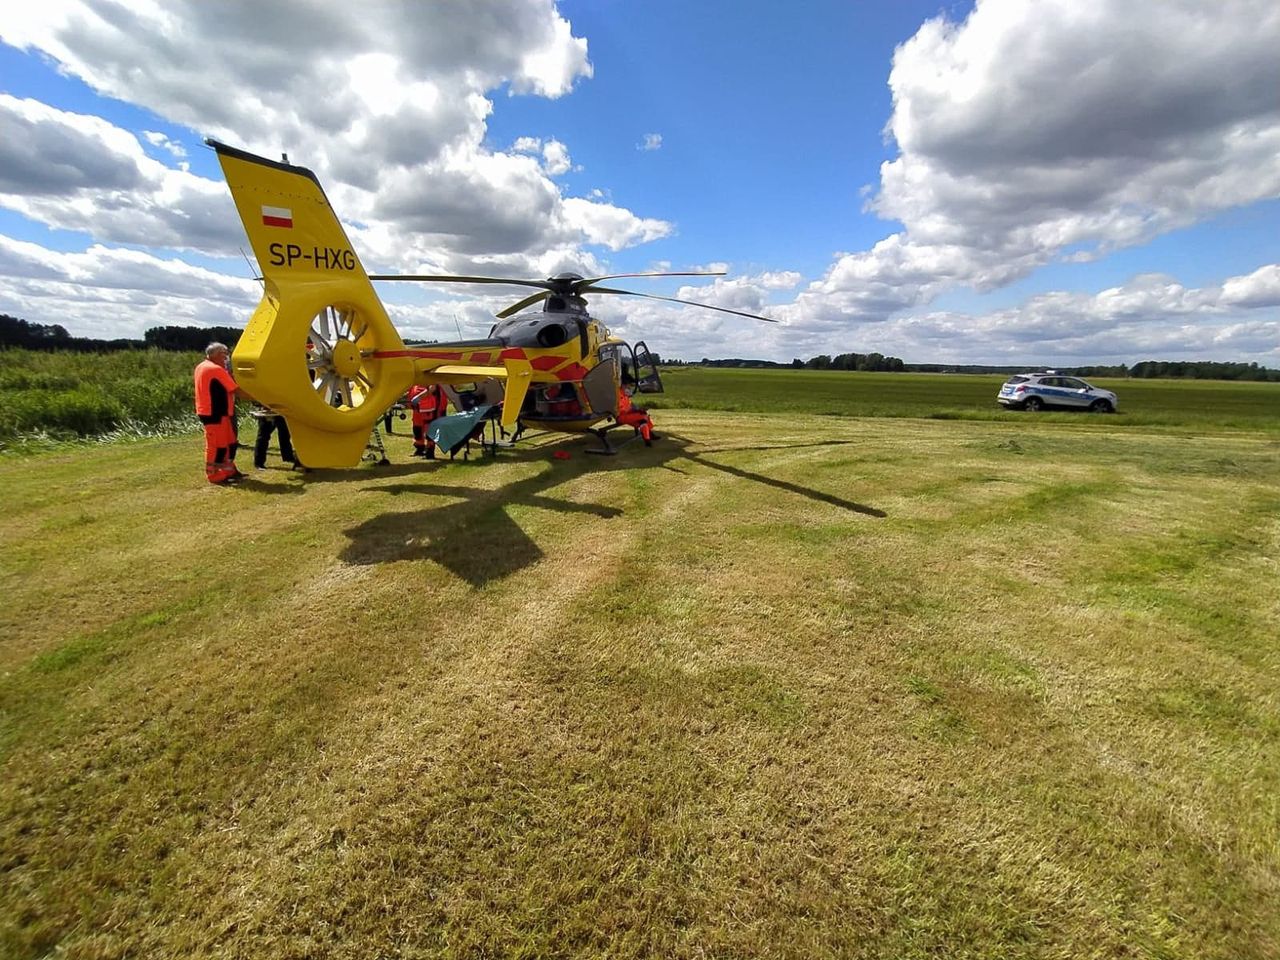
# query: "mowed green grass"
(781, 685)
(1204, 404)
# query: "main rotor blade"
(584, 284)
(449, 278)
(691, 303)
(526, 302)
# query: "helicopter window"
(552, 335)
(609, 357)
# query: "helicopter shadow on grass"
(476, 539)
(808, 492)
(272, 489)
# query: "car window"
(1073, 383)
(1017, 380)
(1048, 381)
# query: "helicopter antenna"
(253, 273)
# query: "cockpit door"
(647, 379)
(601, 384)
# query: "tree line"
(40, 336)
(53, 336)
(1147, 369)
(842, 361)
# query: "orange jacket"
(215, 391)
(427, 402)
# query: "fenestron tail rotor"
(334, 356)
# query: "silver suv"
(1040, 391)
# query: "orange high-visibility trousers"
(219, 441)
(636, 417)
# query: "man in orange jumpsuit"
(630, 416)
(216, 408)
(427, 403)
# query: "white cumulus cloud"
(1031, 132)
(392, 117)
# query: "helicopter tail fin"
(294, 232)
(311, 349)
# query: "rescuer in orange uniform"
(629, 415)
(427, 403)
(216, 408)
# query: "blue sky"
(1051, 182)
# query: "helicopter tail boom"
(306, 351)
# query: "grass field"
(58, 396)
(781, 685)
(1181, 404)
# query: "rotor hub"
(346, 359)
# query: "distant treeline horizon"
(1145, 369)
(54, 336)
(15, 332)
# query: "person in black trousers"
(269, 422)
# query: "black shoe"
(430, 454)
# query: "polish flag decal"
(277, 217)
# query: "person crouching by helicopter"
(632, 416)
(427, 403)
(216, 408)
(270, 422)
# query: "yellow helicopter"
(320, 349)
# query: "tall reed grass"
(55, 395)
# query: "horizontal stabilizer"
(465, 373)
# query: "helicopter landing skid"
(605, 449)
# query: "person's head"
(217, 352)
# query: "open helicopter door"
(601, 384)
(647, 378)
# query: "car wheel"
(1100, 406)
(1034, 404)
